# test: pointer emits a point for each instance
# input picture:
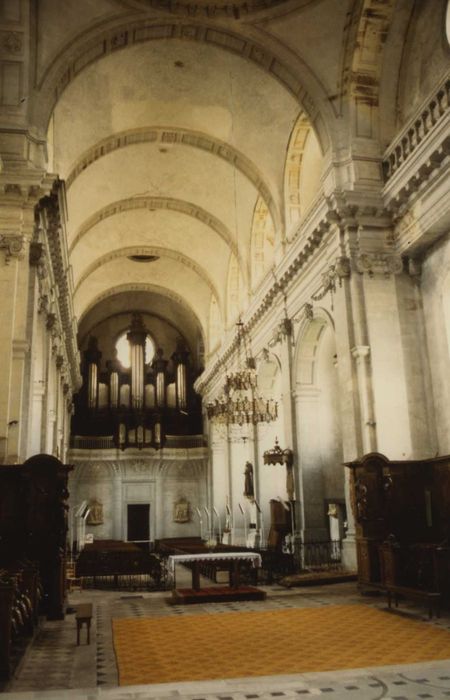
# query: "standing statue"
(249, 491)
(288, 461)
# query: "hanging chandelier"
(240, 402)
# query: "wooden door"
(138, 522)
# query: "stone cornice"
(156, 457)
(51, 217)
(345, 210)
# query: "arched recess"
(319, 432)
(302, 171)
(167, 319)
(262, 242)
(236, 292)
(121, 291)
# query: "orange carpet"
(232, 645)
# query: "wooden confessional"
(33, 526)
(402, 513)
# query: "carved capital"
(13, 246)
(359, 352)
(372, 264)
(59, 361)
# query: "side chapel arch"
(319, 431)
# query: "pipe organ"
(141, 404)
(136, 337)
(93, 357)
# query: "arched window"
(123, 350)
(302, 170)
(262, 241)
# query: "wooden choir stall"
(33, 526)
(402, 513)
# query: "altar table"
(195, 559)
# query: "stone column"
(388, 380)
(361, 354)
(117, 504)
(13, 341)
(220, 475)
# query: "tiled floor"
(54, 667)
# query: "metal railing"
(319, 556)
(87, 442)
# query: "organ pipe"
(159, 366)
(181, 386)
(114, 389)
(92, 385)
(136, 337)
(92, 358)
(179, 358)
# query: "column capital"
(14, 246)
(306, 391)
(360, 351)
(373, 263)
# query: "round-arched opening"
(123, 350)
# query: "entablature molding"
(55, 276)
(359, 216)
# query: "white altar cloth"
(174, 559)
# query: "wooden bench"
(432, 599)
(84, 616)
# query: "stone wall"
(153, 479)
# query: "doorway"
(138, 522)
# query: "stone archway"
(318, 428)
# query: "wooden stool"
(84, 615)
